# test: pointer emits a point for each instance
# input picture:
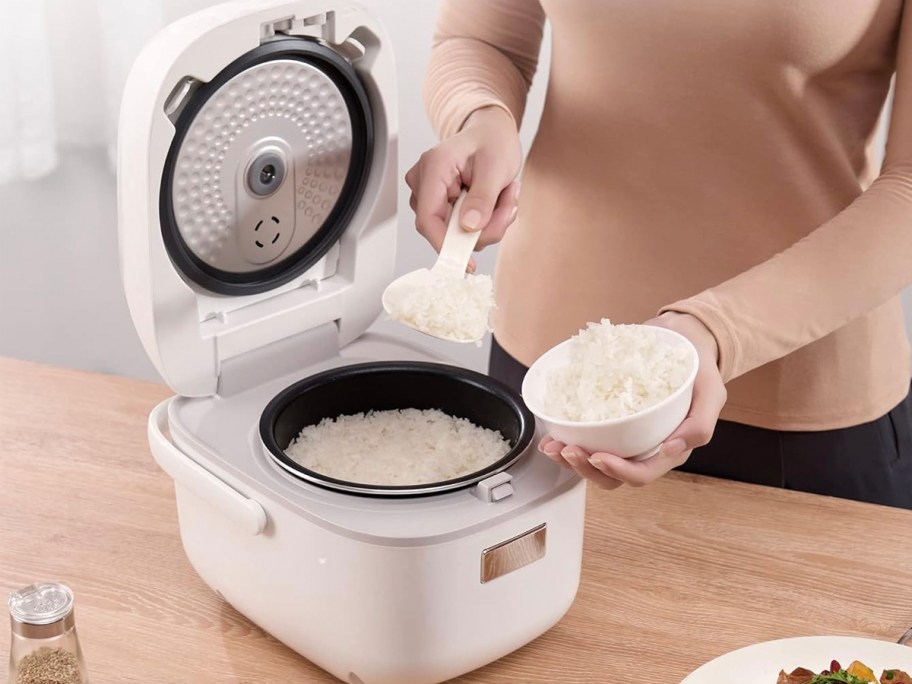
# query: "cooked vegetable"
(861, 671)
(856, 673)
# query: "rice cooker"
(257, 187)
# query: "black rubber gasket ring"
(381, 385)
(346, 79)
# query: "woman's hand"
(484, 157)
(609, 471)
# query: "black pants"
(869, 462)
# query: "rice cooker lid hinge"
(279, 358)
(319, 26)
(312, 26)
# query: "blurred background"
(62, 68)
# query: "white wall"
(60, 293)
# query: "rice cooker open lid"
(256, 184)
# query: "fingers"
(551, 448)
(633, 473)
(502, 217)
(434, 182)
(696, 430)
(486, 162)
(579, 461)
(546, 440)
(709, 396)
(413, 203)
(575, 459)
(487, 178)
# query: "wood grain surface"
(674, 575)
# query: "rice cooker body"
(257, 185)
(379, 590)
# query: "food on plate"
(615, 371)
(398, 447)
(861, 671)
(449, 307)
(856, 673)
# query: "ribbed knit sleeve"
(485, 53)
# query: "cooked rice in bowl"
(615, 371)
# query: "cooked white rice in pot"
(399, 447)
(615, 371)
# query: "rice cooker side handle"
(188, 474)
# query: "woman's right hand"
(485, 158)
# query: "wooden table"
(674, 574)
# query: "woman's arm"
(848, 266)
(485, 54)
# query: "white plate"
(761, 663)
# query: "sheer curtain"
(63, 64)
(27, 127)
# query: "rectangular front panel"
(513, 554)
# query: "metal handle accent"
(187, 473)
(906, 638)
(513, 554)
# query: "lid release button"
(495, 488)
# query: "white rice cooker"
(257, 195)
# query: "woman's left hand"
(609, 471)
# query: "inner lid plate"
(267, 165)
(276, 123)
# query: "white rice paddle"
(457, 248)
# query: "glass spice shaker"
(45, 647)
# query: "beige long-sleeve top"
(707, 157)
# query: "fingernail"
(597, 463)
(553, 457)
(571, 455)
(513, 214)
(551, 450)
(518, 188)
(471, 219)
(675, 447)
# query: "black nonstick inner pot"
(383, 386)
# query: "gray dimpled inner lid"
(285, 105)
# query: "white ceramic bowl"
(636, 436)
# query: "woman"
(708, 167)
